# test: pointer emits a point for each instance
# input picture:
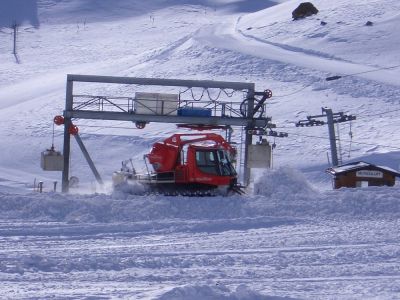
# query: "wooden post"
(15, 27)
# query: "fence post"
(15, 27)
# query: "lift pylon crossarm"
(309, 122)
(265, 132)
(336, 118)
(277, 134)
(345, 118)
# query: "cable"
(360, 143)
(295, 92)
(209, 96)
(52, 138)
(378, 114)
(331, 78)
(351, 138)
(229, 94)
(380, 145)
(180, 93)
(339, 143)
(193, 97)
(106, 127)
(284, 127)
(359, 117)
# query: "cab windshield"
(214, 162)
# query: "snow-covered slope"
(290, 237)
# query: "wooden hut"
(361, 174)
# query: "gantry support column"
(67, 137)
(248, 136)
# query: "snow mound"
(283, 183)
(117, 207)
(218, 292)
(123, 189)
(366, 202)
(281, 194)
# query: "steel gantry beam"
(248, 121)
(162, 82)
(123, 116)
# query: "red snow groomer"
(187, 164)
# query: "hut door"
(362, 184)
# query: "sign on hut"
(361, 174)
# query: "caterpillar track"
(174, 190)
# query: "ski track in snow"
(319, 260)
(228, 37)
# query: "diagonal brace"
(88, 159)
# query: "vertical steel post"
(332, 136)
(67, 137)
(248, 136)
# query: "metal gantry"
(112, 108)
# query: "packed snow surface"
(290, 237)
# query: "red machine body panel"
(199, 158)
(163, 157)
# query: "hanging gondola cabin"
(362, 174)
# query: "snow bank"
(363, 202)
(124, 189)
(280, 196)
(109, 208)
(217, 292)
(283, 182)
(286, 192)
(279, 193)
